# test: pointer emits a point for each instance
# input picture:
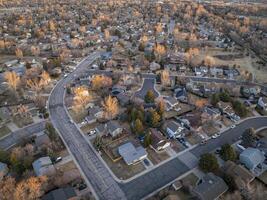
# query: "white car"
(215, 136)
(92, 132)
(233, 126)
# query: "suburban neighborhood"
(133, 100)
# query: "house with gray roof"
(67, 193)
(210, 187)
(132, 154)
(253, 159)
(114, 128)
(43, 166)
(174, 130)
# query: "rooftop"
(130, 153)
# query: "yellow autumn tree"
(81, 98)
(101, 81)
(19, 53)
(12, 79)
(111, 107)
(165, 77)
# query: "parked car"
(233, 126)
(146, 162)
(92, 132)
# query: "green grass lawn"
(4, 131)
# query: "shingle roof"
(211, 187)
(113, 125)
(60, 194)
(251, 157)
(130, 153)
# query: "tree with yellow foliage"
(12, 79)
(101, 81)
(81, 98)
(19, 53)
(111, 107)
(209, 61)
(165, 77)
(35, 50)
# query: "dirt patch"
(121, 169)
(155, 157)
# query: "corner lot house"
(43, 166)
(132, 154)
(114, 128)
(210, 187)
(252, 158)
(159, 143)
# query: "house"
(252, 158)
(210, 187)
(158, 143)
(262, 145)
(100, 129)
(132, 154)
(250, 91)
(154, 66)
(90, 119)
(198, 71)
(262, 103)
(212, 113)
(123, 99)
(172, 104)
(114, 128)
(67, 193)
(174, 130)
(43, 166)
(180, 94)
(3, 170)
(241, 175)
(214, 71)
(96, 111)
(226, 108)
(41, 140)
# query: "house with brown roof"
(159, 143)
(241, 175)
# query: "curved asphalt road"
(95, 172)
